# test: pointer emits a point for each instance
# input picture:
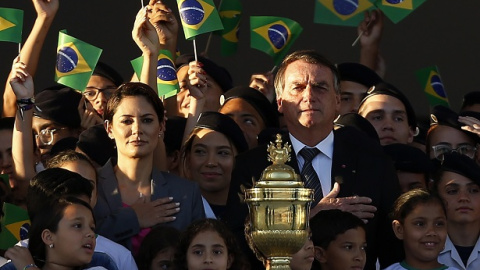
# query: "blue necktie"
(309, 175)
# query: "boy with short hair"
(339, 240)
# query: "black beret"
(444, 116)
(218, 73)
(408, 158)
(390, 90)
(175, 127)
(461, 164)
(68, 143)
(358, 73)
(106, 71)
(255, 98)
(225, 125)
(96, 144)
(59, 105)
(358, 122)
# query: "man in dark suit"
(353, 173)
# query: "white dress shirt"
(322, 163)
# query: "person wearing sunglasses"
(446, 135)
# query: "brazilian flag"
(14, 225)
(230, 13)
(11, 25)
(167, 82)
(76, 61)
(341, 12)
(198, 17)
(397, 10)
(432, 85)
(273, 35)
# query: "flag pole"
(360, 35)
(273, 69)
(141, 1)
(19, 47)
(195, 50)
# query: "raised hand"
(152, 213)
(20, 81)
(197, 79)
(46, 8)
(372, 28)
(472, 124)
(144, 34)
(264, 84)
(164, 21)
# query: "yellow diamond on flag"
(277, 34)
(232, 35)
(4, 24)
(405, 4)
(229, 13)
(15, 228)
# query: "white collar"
(325, 146)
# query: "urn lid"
(279, 174)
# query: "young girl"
(420, 221)
(208, 244)
(158, 248)
(63, 235)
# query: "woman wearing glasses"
(446, 135)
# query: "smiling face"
(347, 251)
(135, 127)
(74, 241)
(388, 116)
(208, 251)
(461, 197)
(308, 99)
(423, 232)
(210, 163)
(246, 117)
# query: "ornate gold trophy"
(279, 208)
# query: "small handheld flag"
(167, 82)
(230, 13)
(273, 35)
(198, 17)
(14, 225)
(433, 86)
(11, 25)
(397, 10)
(341, 12)
(76, 61)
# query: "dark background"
(440, 32)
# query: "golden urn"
(279, 207)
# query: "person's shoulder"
(356, 140)
(108, 246)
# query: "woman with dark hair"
(208, 158)
(133, 195)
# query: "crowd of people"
(114, 177)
